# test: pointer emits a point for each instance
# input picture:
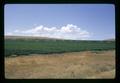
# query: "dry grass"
(76, 65)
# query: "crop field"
(46, 46)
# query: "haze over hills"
(30, 37)
(110, 39)
(47, 38)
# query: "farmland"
(24, 46)
(56, 58)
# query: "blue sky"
(68, 21)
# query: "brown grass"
(75, 65)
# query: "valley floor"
(74, 65)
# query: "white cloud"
(69, 31)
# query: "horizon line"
(58, 38)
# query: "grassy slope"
(69, 65)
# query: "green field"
(44, 46)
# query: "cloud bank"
(69, 31)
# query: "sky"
(67, 21)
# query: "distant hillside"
(30, 37)
(48, 38)
(111, 39)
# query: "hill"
(31, 37)
(110, 39)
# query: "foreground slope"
(81, 65)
